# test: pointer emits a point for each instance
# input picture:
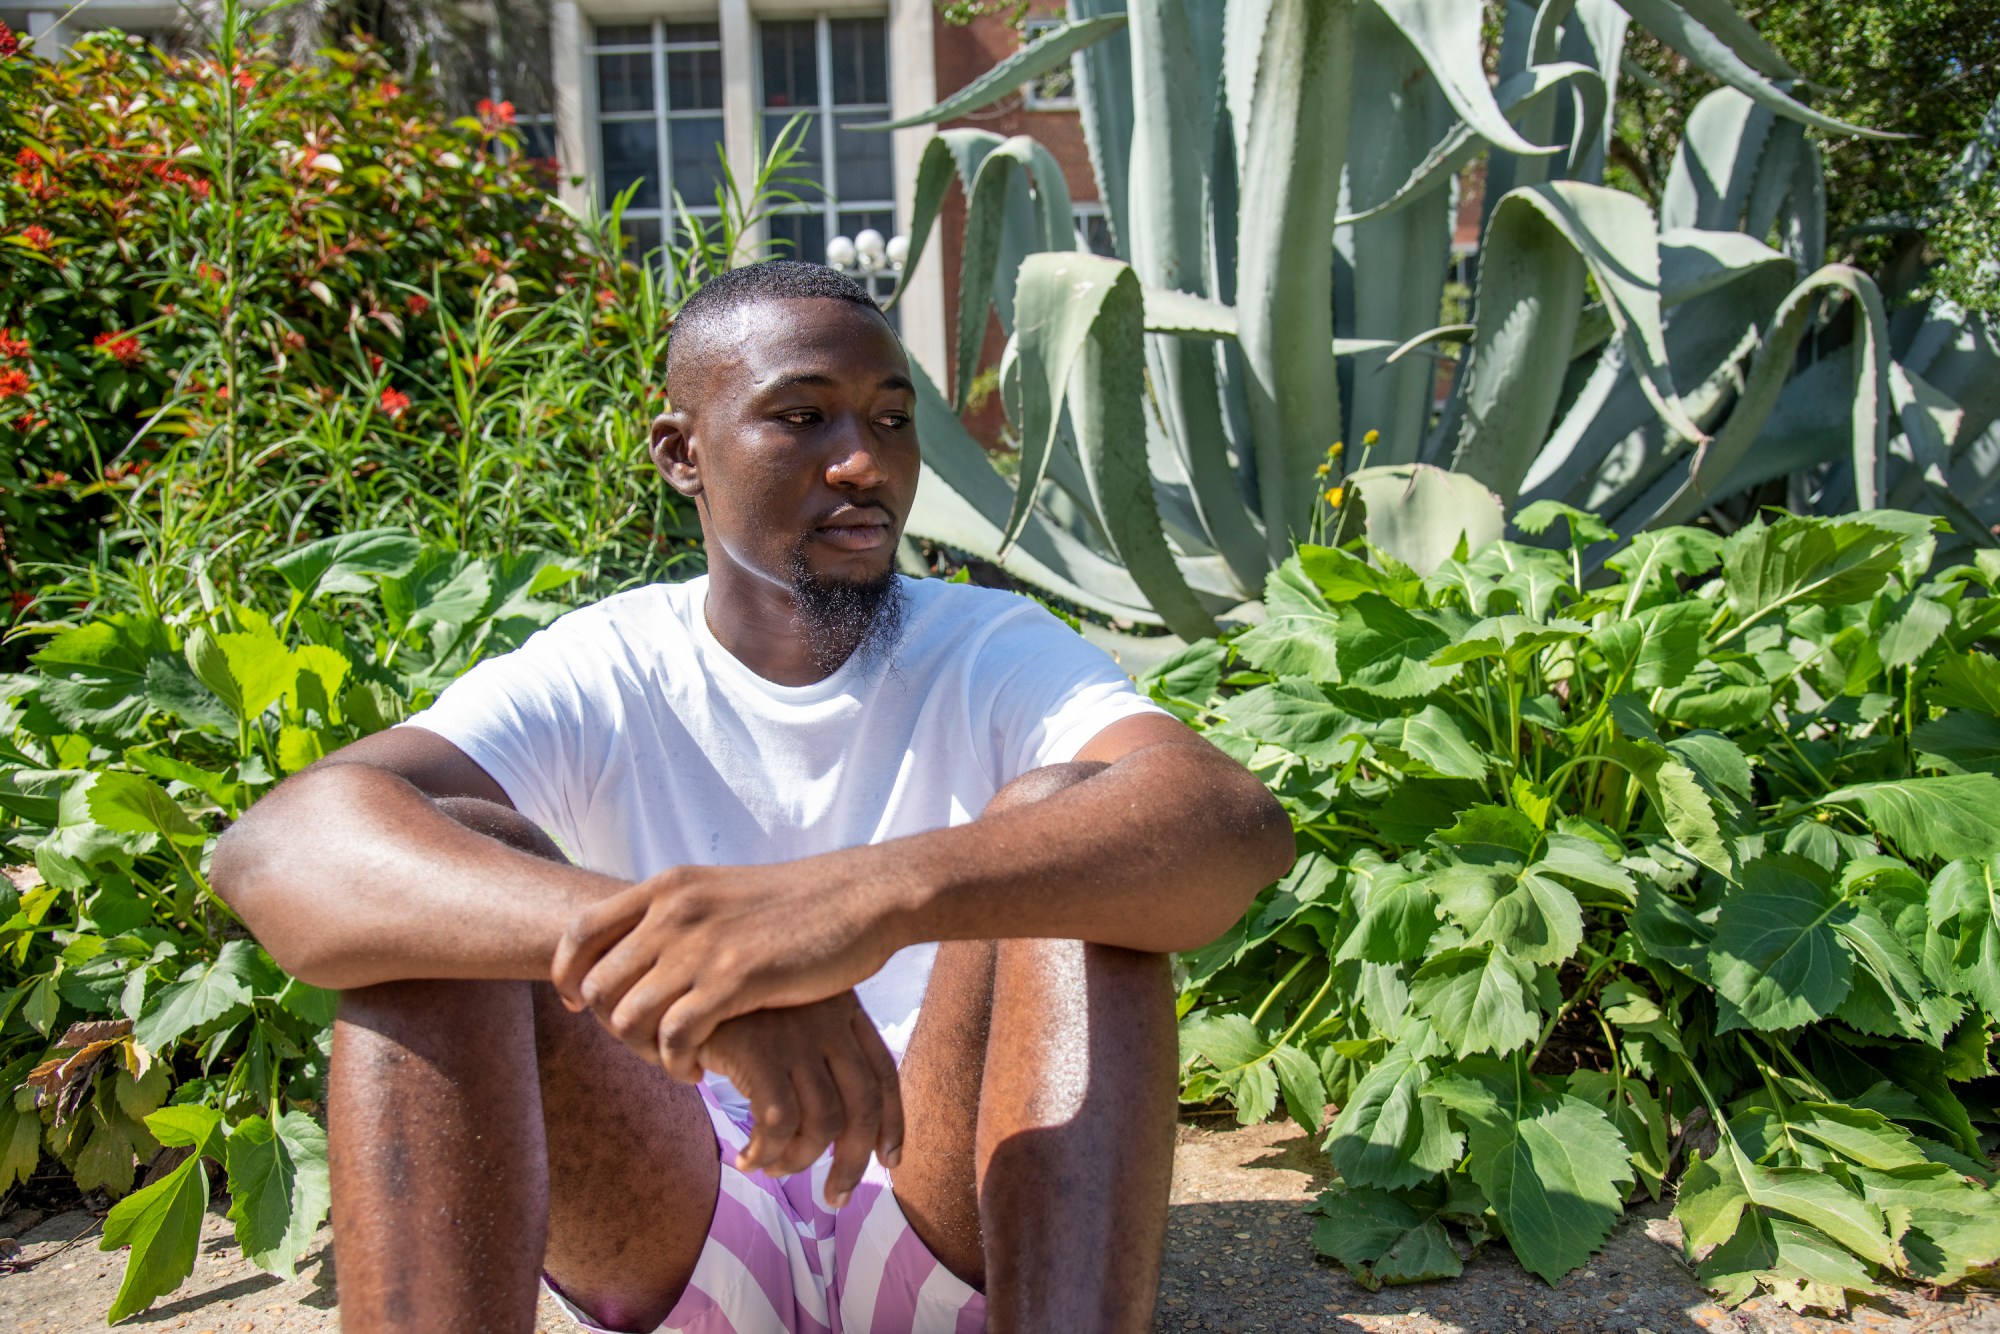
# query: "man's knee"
(503, 823)
(1038, 784)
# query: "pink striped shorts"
(778, 1261)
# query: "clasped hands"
(748, 971)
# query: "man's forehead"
(792, 339)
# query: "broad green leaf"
(1968, 681)
(1420, 514)
(205, 992)
(262, 667)
(347, 562)
(1716, 758)
(1856, 1134)
(1299, 634)
(1948, 1246)
(1479, 999)
(1536, 921)
(1946, 818)
(278, 1188)
(1189, 678)
(95, 674)
(162, 1225)
(1777, 956)
(138, 805)
(1960, 742)
(1387, 651)
(1398, 916)
(1966, 897)
(1295, 714)
(1888, 995)
(1299, 1082)
(1799, 1263)
(1651, 561)
(1711, 1201)
(1436, 740)
(1808, 562)
(1685, 807)
(1816, 1199)
(1583, 527)
(1388, 1134)
(1917, 624)
(1655, 647)
(1382, 1239)
(1554, 1168)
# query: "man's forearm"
(1160, 852)
(350, 876)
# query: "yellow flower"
(1334, 494)
(1323, 470)
(1333, 450)
(1371, 438)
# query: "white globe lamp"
(840, 252)
(870, 246)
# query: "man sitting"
(733, 819)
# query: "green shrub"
(1687, 875)
(137, 1011)
(187, 246)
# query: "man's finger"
(634, 1019)
(861, 1096)
(688, 1023)
(889, 1139)
(589, 935)
(774, 1118)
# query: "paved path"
(1238, 1260)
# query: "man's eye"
(895, 421)
(802, 417)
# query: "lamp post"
(868, 255)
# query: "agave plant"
(1276, 177)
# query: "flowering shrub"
(184, 241)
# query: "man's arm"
(350, 875)
(1160, 852)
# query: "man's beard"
(844, 619)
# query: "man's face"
(799, 442)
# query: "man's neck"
(757, 622)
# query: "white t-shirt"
(639, 742)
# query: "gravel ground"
(1238, 1260)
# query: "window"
(835, 71)
(1093, 229)
(659, 119)
(1056, 90)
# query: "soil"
(1239, 1259)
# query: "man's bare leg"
(450, 1196)
(1039, 1090)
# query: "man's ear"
(673, 452)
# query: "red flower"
(395, 403)
(375, 361)
(122, 348)
(209, 272)
(418, 305)
(29, 421)
(13, 382)
(606, 297)
(9, 43)
(387, 91)
(38, 237)
(27, 157)
(22, 601)
(200, 188)
(245, 80)
(56, 479)
(482, 256)
(493, 115)
(293, 340)
(11, 346)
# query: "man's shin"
(440, 1180)
(1076, 1132)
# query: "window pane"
(853, 223)
(642, 237)
(538, 139)
(631, 151)
(697, 171)
(694, 80)
(678, 33)
(791, 67)
(860, 61)
(625, 82)
(864, 164)
(808, 162)
(1097, 234)
(798, 236)
(624, 34)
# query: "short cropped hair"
(772, 280)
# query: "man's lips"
(856, 530)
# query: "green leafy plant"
(1687, 875)
(138, 1015)
(1283, 245)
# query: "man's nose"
(854, 465)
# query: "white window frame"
(662, 115)
(833, 205)
(1031, 97)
